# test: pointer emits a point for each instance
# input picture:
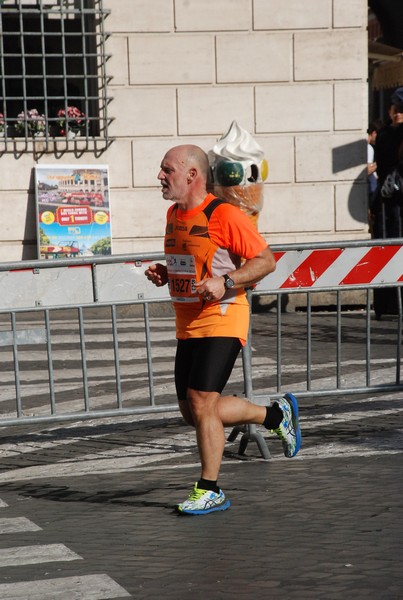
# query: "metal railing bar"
(141, 257)
(368, 340)
(16, 365)
(50, 363)
(149, 354)
(94, 282)
(95, 414)
(399, 335)
(116, 358)
(303, 393)
(83, 359)
(84, 305)
(338, 342)
(83, 260)
(309, 340)
(278, 342)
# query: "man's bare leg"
(211, 413)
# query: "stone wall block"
(117, 66)
(294, 108)
(258, 57)
(210, 110)
(331, 55)
(138, 213)
(351, 105)
(340, 157)
(210, 15)
(279, 153)
(292, 14)
(143, 111)
(171, 59)
(351, 207)
(350, 13)
(298, 208)
(139, 16)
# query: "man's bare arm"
(250, 272)
(255, 269)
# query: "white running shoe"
(202, 502)
(288, 430)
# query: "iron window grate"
(53, 80)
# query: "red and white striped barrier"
(334, 267)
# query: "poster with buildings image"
(73, 211)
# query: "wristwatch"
(228, 282)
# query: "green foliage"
(102, 246)
(43, 238)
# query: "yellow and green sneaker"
(202, 502)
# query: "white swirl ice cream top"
(238, 144)
(236, 158)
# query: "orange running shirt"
(201, 243)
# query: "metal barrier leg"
(252, 434)
(249, 431)
(235, 432)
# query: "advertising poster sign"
(73, 211)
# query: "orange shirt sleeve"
(230, 228)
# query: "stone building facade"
(292, 73)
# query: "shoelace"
(280, 433)
(196, 494)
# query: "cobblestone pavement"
(87, 509)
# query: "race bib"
(182, 277)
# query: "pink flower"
(34, 122)
(73, 116)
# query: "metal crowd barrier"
(91, 337)
(333, 269)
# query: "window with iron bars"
(53, 82)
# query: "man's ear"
(191, 175)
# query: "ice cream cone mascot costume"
(238, 171)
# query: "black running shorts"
(204, 364)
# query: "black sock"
(207, 484)
(274, 416)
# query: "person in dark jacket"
(386, 210)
